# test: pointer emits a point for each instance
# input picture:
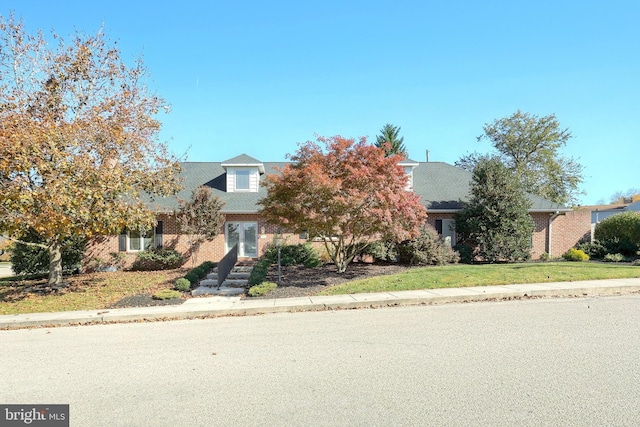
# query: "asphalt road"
(535, 362)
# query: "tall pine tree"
(389, 135)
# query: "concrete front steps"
(235, 284)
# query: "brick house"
(442, 188)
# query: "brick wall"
(566, 230)
(100, 248)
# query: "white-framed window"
(243, 180)
(136, 241)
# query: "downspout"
(550, 235)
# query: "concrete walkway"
(226, 306)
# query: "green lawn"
(458, 275)
(83, 292)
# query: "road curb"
(344, 302)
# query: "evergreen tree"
(389, 135)
(496, 223)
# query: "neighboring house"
(442, 188)
(600, 212)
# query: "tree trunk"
(55, 265)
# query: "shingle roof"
(441, 186)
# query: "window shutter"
(159, 234)
(439, 226)
(122, 242)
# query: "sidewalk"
(226, 306)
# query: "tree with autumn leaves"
(78, 141)
(346, 193)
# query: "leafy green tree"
(200, 219)
(530, 146)
(496, 223)
(620, 233)
(78, 141)
(390, 141)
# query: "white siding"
(254, 179)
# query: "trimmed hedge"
(158, 259)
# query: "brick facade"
(567, 229)
(100, 249)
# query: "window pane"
(148, 242)
(242, 180)
(134, 241)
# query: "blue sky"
(260, 76)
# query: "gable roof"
(442, 187)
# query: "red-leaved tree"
(347, 194)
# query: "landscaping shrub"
(27, 259)
(200, 272)
(382, 250)
(426, 249)
(259, 272)
(261, 289)
(614, 258)
(183, 284)
(594, 249)
(544, 256)
(167, 294)
(192, 277)
(158, 259)
(208, 266)
(620, 233)
(574, 254)
(302, 253)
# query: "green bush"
(261, 289)
(302, 253)
(465, 252)
(167, 294)
(183, 284)
(200, 272)
(158, 259)
(620, 233)
(594, 249)
(426, 249)
(574, 254)
(192, 277)
(382, 250)
(259, 272)
(27, 259)
(208, 266)
(544, 256)
(614, 258)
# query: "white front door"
(245, 235)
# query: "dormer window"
(242, 180)
(243, 174)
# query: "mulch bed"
(299, 281)
(296, 281)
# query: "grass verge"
(83, 292)
(459, 275)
